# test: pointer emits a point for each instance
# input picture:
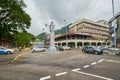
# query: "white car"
(66, 47)
(38, 49)
(113, 49)
(7, 50)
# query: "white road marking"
(60, 74)
(44, 78)
(86, 66)
(93, 63)
(101, 60)
(93, 75)
(77, 69)
(114, 61)
(110, 60)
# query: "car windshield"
(3, 48)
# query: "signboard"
(114, 23)
(112, 35)
(111, 30)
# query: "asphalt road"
(66, 65)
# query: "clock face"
(52, 26)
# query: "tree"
(12, 17)
(23, 38)
(41, 36)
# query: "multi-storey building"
(116, 18)
(85, 32)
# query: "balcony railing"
(76, 39)
(94, 32)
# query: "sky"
(42, 12)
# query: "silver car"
(37, 49)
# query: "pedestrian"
(20, 48)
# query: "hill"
(41, 36)
(63, 29)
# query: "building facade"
(85, 32)
(116, 18)
(7, 42)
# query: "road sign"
(111, 30)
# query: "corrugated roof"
(88, 21)
(118, 14)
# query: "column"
(52, 41)
(75, 44)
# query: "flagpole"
(114, 23)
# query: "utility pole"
(114, 23)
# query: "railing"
(77, 39)
(94, 32)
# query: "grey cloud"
(64, 9)
(71, 10)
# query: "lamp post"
(114, 23)
(66, 32)
(45, 37)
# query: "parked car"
(58, 48)
(113, 49)
(2, 51)
(37, 49)
(80, 47)
(5, 50)
(103, 47)
(66, 47)
(92, 49)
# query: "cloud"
(42, 11)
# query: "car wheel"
(8, 52)
(100, 53)
(96, 52)
(83, 51)
(43, 50)
(33, 51)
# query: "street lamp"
(114, 23)
(44, 38)
(66, 32)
